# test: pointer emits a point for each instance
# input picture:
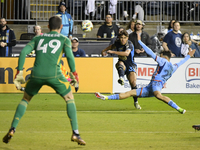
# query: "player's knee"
(68, 96)
(158, 96)
(120, 67)
(27, 97)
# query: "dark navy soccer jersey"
(123, 48)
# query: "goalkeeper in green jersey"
(49, 48)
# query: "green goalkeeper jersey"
(49, 49)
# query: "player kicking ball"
(49, 48)
(126, 64)
(163, 72)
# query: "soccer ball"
(87, 26)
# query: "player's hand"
(138, 36)
(19, 79)
(191, 52)
(74, 80)
(76, 76)
(3, 44)
(103, 53)
(110, 52)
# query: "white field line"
(100, 132)
(91, 111)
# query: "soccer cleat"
(77, 138)
(181, 110)
(100, 96)
(9, 135)
(137, 105)
(196, 127)
(121, 81)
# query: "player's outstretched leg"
(116, 96)
(76, 138)
(9, 135)
(101, 96)
(175, 106)
(196, 127)
(167, 100)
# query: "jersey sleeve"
(26, 50)
(147, 50)
(69, 55)
(130, 46)
(175, 66)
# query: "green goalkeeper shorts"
(59, 84)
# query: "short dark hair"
(176, 21)
(166, 53)
(124, 32)
(55, 22)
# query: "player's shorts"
(59, 84)
(149, 89)
(130, 67)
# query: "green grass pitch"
(104, 125)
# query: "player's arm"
(147, 49)
(69, 55)
(71, 62)
(125, 53)
(190, 54)
(103, 52)
(25, 51)
(19, 75)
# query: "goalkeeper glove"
(76, 76)
(19, 79)
(77, 79)
(74, 80)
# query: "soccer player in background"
(49, 48)
(125, 65)
(163, 72)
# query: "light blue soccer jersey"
(164, 69)
(163, 72)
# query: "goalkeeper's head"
(55, 23)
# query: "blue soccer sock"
(173, 105)
(112, 97)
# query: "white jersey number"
(55, 44)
